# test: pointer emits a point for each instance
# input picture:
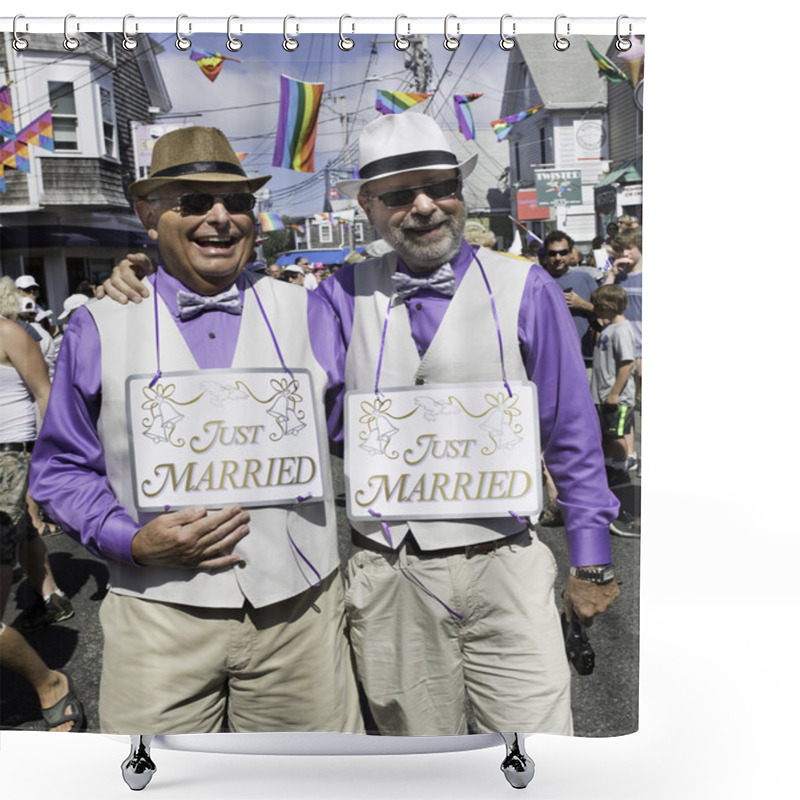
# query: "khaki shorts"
(178, 669)
(421, 667)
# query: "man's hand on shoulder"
(585, 599)
(126, 280)
(191, 538)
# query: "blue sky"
(244, 99)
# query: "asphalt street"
(604, 703)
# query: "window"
(107, 113)
(65, 117)
(325, 233)
(358, 231)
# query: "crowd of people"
(433, 615)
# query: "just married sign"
(218, 437)
(443, 451)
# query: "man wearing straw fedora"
(225, 604)
(453, 613)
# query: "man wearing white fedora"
(446, 613)
(228, 610)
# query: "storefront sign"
(559, 187)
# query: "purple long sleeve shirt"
(570, 433)
(68, 472)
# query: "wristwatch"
(600, 575)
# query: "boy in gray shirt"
(613, 388)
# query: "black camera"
(579, 651)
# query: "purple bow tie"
(191, 305)
(441, 280)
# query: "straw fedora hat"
(194, 154)
(398, 143)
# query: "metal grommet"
(623, 44)
(233, 44)
(450, 42)
(289, 44)
(561, 43)
(70, 42)
(181, 42)
(19, 43)
(344, 42)
(506, 42)
(128, 42)
(400, 42)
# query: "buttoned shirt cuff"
(117, 535)
(589, 547)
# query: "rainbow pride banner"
(39, 132)
(297, 124)
(210, 63)
(466, 124)
(270, 222)
(6, 113)
(502, 127)
(396, 102)
(15, 154)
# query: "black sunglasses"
(558, 252)
(405, 197)
(201, 203)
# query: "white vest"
(272, 569)
(464, 349)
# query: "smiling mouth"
(215, 243)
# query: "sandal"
(56, 714)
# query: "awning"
(321, 256)
(32, 237)
(629, 172)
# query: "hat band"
(407, 161)
(194, 167)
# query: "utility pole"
(417, 60)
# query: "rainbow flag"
(210, 63)
(395, 102)
(39, 132)
(2, 179)
(299, 229)
(325, 216)
(270, 222)
(608, 68)
(297, 125)
(6, 113)
(502, 127)
(466, 124)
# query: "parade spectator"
(211, 616)
(421, 651)
(309, 279)
(626, 271)
(23, 380)
(275, 270)
(612, 381)
(475, 232)
(294, 274)
(576, 284)
(27, 287)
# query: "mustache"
(428, 222)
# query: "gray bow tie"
(191, 305)
(441, 280)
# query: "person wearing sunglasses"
(473, 619)
(218, 612)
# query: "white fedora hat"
(398, 143)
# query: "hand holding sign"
(192, 538)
